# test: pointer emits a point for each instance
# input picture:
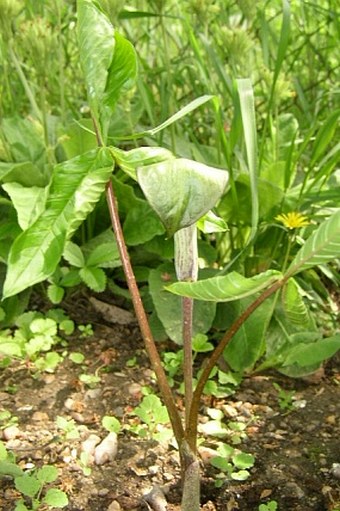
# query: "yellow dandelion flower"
(293, 220)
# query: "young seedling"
(153, 415)
(32, 484)
(285, 398)
(269, 506)
(232, 463)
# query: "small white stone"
(11, 432)
(114, 506)
(134, 389)
(40, 417)
(89, 444)
(106, 451)
(69, 403)
(335, 470)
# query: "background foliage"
(185, 50)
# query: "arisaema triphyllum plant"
(181, 192)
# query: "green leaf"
(111, 424)
(55, 498)
(49, 362)
(73, 255)
(107, 58)
(94, 278)
(55, 293)
(141, 156)
(20, 506)
(3, 450)
(225, 288)
(181, 191)
(47, 474)
(25, 173)
(10, 469)
(29, 202)
(44, 326)
(122, 72)
(313, 353)
(210, 223)
(295, 308)
(241, 475)
(243, 460)
(105, 255)
(169, 307)
(96, 48)
(26, 141)
(28, 485)
(78, 139)
(76, 187)
(196, 103)
(246, 94)
(76, 357)
(10, 347)
(322, 246)
(67, 326)
(151, 411)
(324, 137)
(141, 224)
(247, 345)
(221, 463)
(102, 250)
(200, 344)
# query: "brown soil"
(297, 450)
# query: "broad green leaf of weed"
(20, 506)
(27, 145)
(240, 475)
(222, 464)
(74, 255)
(94, 278)
(243, 460)
(55, 293)
(141, 224)
(248, 344)
(55, 498)
(28, 485)
(29, 202)
(8, 468)
(295, 308)
(105, 255)
(151, 411)
(10, 347)
(111, 424)
(322, 246)
(312, 353)
(49, 362)
(77, 358)
(38, 343)
(44, 326)
(47, 474)
(169, 308)
(75, 188)
(200, 344)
